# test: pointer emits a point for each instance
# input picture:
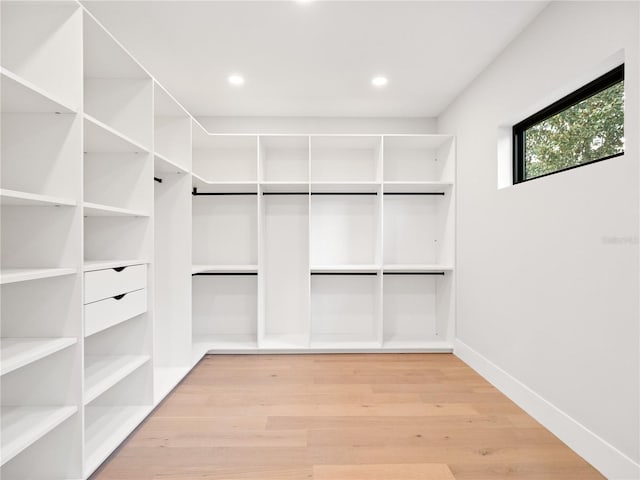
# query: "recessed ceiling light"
(236, 79)
(379, 81)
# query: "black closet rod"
(413, 273)
(414, 193)
(344, 193)
(344, 273)
(159, 180)
(285, 193)
(212, 274)
(195, 192)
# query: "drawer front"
(109, 283)
(111, 311)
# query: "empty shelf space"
(225, 342)
(434, 346)
(17, 198)
(91, 265)
(195, 269)
(344, 269)
(18, 352)
(344, 344)
(416, 268)
(103, 372)
(97, 210)
(21, 96)
(22, 426)
(99, 137)
(284, 342)
(108, 428)
(345, 187)
(417, 187)
(163, 165)
(12, 275)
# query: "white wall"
(320, 125)
(548, 270)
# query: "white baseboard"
(609, 461)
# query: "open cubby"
(345, 230)
(41, 45)
(225, 158)
(345, 159)
(117, 238)
(345, 311)
(225, 230)
(117, 91)
(284, 159)
(225, 311)
(419, 158)
(418, 229)
(40, 154)
(285, 271)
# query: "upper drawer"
(101, 284)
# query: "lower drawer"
(111, 311)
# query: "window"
(584, 127)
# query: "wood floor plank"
(321, 417)
(423, 471)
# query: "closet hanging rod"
(344, 273)
(159, 180)
(414, 193)
(413, 273)
(285, 193)
(344, 193)
(195, 192)
(211, 274)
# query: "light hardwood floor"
(341, 417)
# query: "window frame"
(583, 93)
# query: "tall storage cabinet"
(323, 242)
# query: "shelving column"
(41, 225)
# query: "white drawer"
(111, 311)
(113, 281)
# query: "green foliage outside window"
(590, 130)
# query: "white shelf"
(165, 379)
(97, 210)
(284, 186)
(224, 269)
(17, 198)
(163, 165)
(225, 342)
(223, 187)
(99, 137)
(344, 344)
(91, 265)
(21, 96)
(19, 352)
(345, 187)
(434, 346)
(417, 187)
(22, 426)
(12, 275)
(103, 372)
(345, 268)
(390, 268)
(112, 426)
(284, 342)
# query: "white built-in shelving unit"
(323, 242)
(133, 242)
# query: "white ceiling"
(317, 58)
